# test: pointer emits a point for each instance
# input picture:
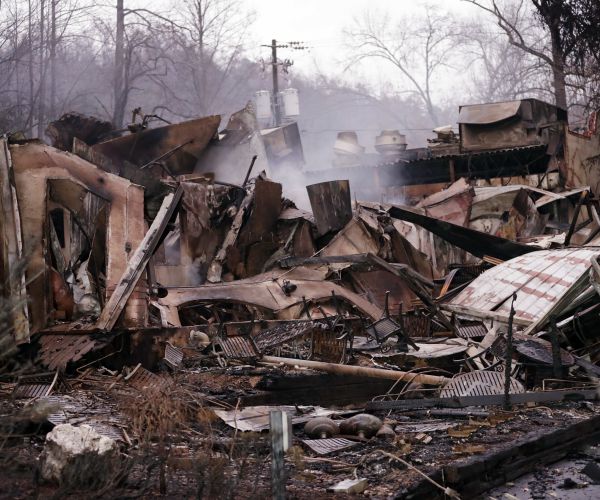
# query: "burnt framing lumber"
(116, 303)
(490, 400)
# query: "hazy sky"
(321, 24)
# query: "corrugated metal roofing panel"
(539, 278)
(482, 114)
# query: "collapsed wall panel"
(11, 246)
(35, 165)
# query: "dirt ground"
(191, 453)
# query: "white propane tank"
(263, 104)
(291, 103)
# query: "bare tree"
(138, 51)
(417, 48)
(553, 52)
(207, 48)
(32, 33)
(497, 69)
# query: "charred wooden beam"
(488, 400)
(116, 303)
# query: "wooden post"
(452, 170)
(281, 437)
(556, 358)
(509, 352)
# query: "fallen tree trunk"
(358, 370)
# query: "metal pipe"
(359, 371)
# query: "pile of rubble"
(161, 266)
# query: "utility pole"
(285, 64)
(276, 107)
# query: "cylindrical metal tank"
(347, 144)
(263, 104)
(291, 103)
(390, 142)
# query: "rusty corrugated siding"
(539, 278)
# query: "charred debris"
(395, 339)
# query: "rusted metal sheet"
(484, 114)
(326, 346)
(264, 214)
(103, 418)
(75, 125)
(239, 347)
(472, 331)
(303, 244)
(216, 266)
(149, 178)
(331, 205)
(36, 165)
(265, 290)
(539, 279)
(328, 445)
(452, 204)
(292, 213)
(256, 418)
(56, 351)
(354, 238)
(405, 252)
(146, 146)
(173, 355)
(283, 145)
(375, 284)
(142, 379)
(493, 201)
(540, 351)
(272, 337)
(582, 158)
(417, 325)
(232, 150)
(509, 124)
(40, 385)
(479, 383)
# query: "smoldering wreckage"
(437, 347)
